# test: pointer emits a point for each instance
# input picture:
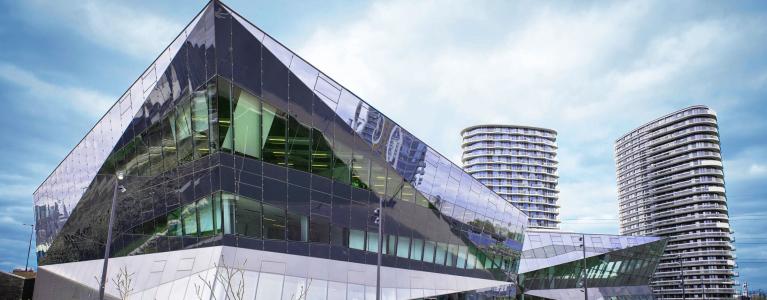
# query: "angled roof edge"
(153, 66)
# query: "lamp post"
(29, 248)
(117, 187)
(585, 279)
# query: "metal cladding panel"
(183, 275)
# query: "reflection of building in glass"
(520, 164)
(617, 267)
(238, 155)
(671, 184)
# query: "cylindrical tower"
(671, 184)
(520, 164)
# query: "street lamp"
(29, 248)
(583, 274)
(119, 177)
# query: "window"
(373, 242)
(248, 217)
(403, 246)
(428, 251)
(298, 228)
(206, 212)
(439, 256)
(274, 130)
(227, 211)
(274, 222)
(299, 145)
(247, 124)
(182, 128)
(319, 230)
(357, 239)
(416, 250)
(224, 91)
(189, 217)
(174, 223)
(200, 123)
(322, 155)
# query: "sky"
(590, 70)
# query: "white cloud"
(592, 73)
(89, 102)
(132, 29)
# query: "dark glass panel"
(361, 166)
(246, 57)
(205, 211)
(227, 211)
(378, 177)
(274, 133)
(322, 154)
(223, 36)
(298, 146)
(319, 230)
(339, 236)
(200, 124)
(247, 123)
(274, 79)
(183, 131)
(174, 223)
(217, 214)
(213, 115)
(298, 227)
(169, 143)
(248, 217)
(200, 49)
(224, 110)
(274, 222)
(142, 158)
(189, 217)
(154, 140)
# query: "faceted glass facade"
(616, 267)
(230, 139)
(520, 164)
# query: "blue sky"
(592, 71)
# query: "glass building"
(616, 267)
(240, 158)
(520, 164)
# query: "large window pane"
(416, 250)
(247, 124)
(154, 139)
(216, 201)
(322, 155)
(189, 216)
(174, 223)
(248, 217)
(205, 210)
(298, 227)
(274, 222)
(403, 246)
(299, 146)
(357, 239)
(224, 110)
(274, 130)
(319, 230)
(169, 143)
(227, 211)
(182, 127)
(361, 166)
(373, 242)
(439, 256)
(428, 251)
(200, 123)
(461, 263)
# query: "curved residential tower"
(671, 184)
(520, 164)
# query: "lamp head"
(120, 175)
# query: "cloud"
(89, 102)
(592, 73)
(136, 30)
